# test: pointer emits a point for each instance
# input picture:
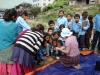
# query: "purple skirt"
(23, 57)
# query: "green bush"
(93, 10)
(35, 10)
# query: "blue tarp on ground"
(87, 64)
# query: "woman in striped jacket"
(25, 49)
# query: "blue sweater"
(22, 25)
(62, 20)
(97, 23)
(77, 27)
(83, 32)
(8, 33)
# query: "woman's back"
(8, 33)
(72, 43)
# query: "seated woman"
(25, 49)
(72, 54)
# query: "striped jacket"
(30, 41)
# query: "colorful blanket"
(87, 62)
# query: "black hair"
(90, 17)
(9, 13)
(62, 25)
(24, 13)
(54, 40)
(69, 14)
(61, 11)
(40, 27)
(34, 29)
(73, 32)
(46, 34)
(43, 42)
(50, 29)
(51, 22)
(85, 13)
(57, 32)
(59, 41)
(76, 15)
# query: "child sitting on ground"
(46, 38)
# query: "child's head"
(90, 17)
(51, 40)
(61, 13)
(50, 31)
(10, 14)
(73, 32)
(59, 43)
(77, 17)
(46, 37)
(54, 42)
(44, 43)
(69, 16)
(85, 15)
(51, 24)
(24, 14)
(61, 27)
(40, 28)
(56, 35)
(34, 29)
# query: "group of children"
(81, 26)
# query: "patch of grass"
(93, 10)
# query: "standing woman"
(8, 34)
(25, 49)
(22, 25)
(61, 19)
(72, 54)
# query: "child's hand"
(57, 48)
(78, 36)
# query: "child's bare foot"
(77, 67)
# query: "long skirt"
(5, 63)
(68, 61)
(23, 61)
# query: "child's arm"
(71, 27)
(66, 51)
(94, 24)
(86, 27)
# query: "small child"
(51, 45)
(77, 26)
(50, 31)
(89, 32)
(54, 44)
(69, 19)
(43, 48)
(61, 27)
(61, 19)
(56, 36)
(46, 36)
(84, 28)
(59, 44)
